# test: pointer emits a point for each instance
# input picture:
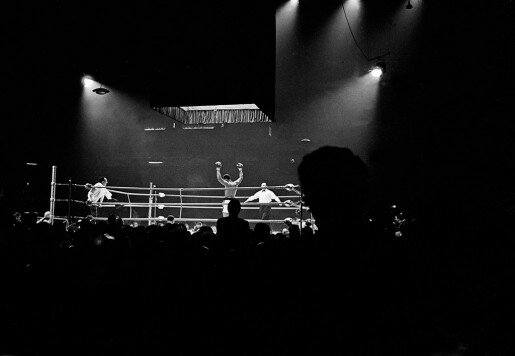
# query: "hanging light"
(379, 69)
(100, 91)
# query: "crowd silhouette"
(105, 288)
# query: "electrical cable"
(352, 33)
(356, 41)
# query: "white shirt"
(264, 196)
(98, 193)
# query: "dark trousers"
(94, 210)
(264, 212)
(97, 211)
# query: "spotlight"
(376, 72)
(379, 69)
(87, 81)
(100, 91)
(408, 5)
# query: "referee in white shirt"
(265, 197)
(97, 193)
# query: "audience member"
(233, 231)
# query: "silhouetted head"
(182, 227)
(262, 231)
(17, 216)
(226, 177)
(204, 229)
(102, 180)
(234, 207)
(111, 219)
(29, 218)
(170, 218)
(334, 184)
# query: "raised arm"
(218, 174)
(240, 178)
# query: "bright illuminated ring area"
(152, 204)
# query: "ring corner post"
(180, 197)
(69, 200)
(52, 194)
(150, 201)
(301, 207)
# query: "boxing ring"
(185, 204)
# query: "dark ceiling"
(178, 53)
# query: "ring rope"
(134, 194)
(177, 196)
(174, 195)
(72, 200)
(162, 219)
(142, 204)
(185, 189)
(184, 204)
(162, 206)
(208, 207)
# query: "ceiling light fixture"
(379, 69)
(100, 91)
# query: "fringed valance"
(214, 115)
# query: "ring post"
(301, 207)
(150, 205)
(180, 197)
(52, 194)
(155, 205)
(130, 207)
(69, 199)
